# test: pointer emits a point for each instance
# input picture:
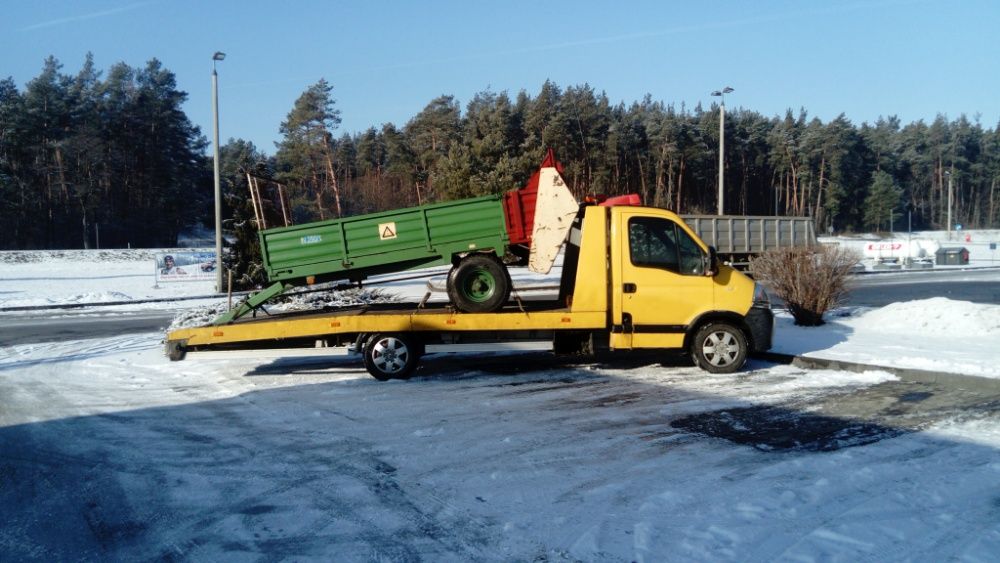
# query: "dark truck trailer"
(738, 238)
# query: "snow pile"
(937, 334)
(934, 317)
(319, 300)
(197, 316)
(98, 297)
(822, 378)
(311, 301)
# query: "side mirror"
(712, 267)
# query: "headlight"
(760, 298)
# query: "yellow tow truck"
(633, 278)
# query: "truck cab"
(663, 287)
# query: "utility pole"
(948, 174)
(722, 145)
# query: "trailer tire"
(391, 356)
(479, 283)
(719, 348)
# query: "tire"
(479, 284)
(719, 348)
(391, 356)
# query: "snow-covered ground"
(58, 277)
(936, 334)
(109, 451)
(114, 453)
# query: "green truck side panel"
(357, 247)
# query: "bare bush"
(810, 281)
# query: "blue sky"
(387, 60)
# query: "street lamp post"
(722, 144)
(948, 174)
(218, 56)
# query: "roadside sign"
(185, 266)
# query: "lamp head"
(219, 56)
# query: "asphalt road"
(58, 326)
(874, 290)
(877, 290)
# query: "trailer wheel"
(391, 356)
(479, 284)
(719, 348)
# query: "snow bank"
(934, 317)
(937, 334)
(95, 256)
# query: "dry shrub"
(810, 281)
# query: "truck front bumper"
(760, 321)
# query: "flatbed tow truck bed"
(310, 330)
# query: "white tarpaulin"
(555, 209)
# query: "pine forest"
(110, 159)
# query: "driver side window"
(659, 243)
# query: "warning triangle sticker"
(387, 231)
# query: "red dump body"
(519, 205)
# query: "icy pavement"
(112, 452)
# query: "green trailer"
(354, 248)
(473, 235)
(470, 234)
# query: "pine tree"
(305, 155)
(882, 202)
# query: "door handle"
(629, 288)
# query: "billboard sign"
(185, 266)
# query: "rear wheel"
(719, 348)
(479, 284)
(391, 356)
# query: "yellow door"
(663, 285)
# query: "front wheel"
(719, 348)
(391, 356)
(479, 284)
